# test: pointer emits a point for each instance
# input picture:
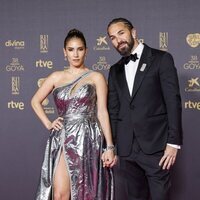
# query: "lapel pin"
(143, 67)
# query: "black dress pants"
(139, 177)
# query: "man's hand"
(168, 158)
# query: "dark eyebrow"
(120, 31)
(73, 47)
(117, 33)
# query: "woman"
(72, 167)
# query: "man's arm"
(113, 104)
(171, 94)
(170, 90)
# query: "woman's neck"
(76, 70)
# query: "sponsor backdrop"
(31, 42)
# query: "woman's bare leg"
(61, 186)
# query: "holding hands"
(108, 157)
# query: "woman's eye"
(81, 48)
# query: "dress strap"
(81, 76)
(75, 82)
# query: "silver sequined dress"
(81, 139)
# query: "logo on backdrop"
(16, 44)
(19, 105)
(163, 41)
(44, 43)
(193, 85)
(101, 44)
(14, 66)
(44, 64)
(192, 105)
(45, 103)
(15, 85)
(193, 63)
(193, 39)
(101, 64)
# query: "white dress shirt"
(131, 67)
(130, 71)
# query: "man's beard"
(125, 51)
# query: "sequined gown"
(81, 139)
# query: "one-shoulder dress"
(81, 140)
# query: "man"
(145, 110)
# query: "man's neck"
(135, 45)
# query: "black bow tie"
(132, 57)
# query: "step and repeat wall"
(31, 47)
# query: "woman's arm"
(38, 98)
(102, 114)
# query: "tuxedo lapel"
(143, 67)
(121, 77)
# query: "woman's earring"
(65, 58)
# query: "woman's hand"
(109, 158)
(56, 124)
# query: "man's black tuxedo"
(152, 114)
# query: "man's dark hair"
(126, 22)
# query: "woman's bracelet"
(110, 147)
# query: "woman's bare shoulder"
(56, 75)
(97, 78)
(97, 75)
